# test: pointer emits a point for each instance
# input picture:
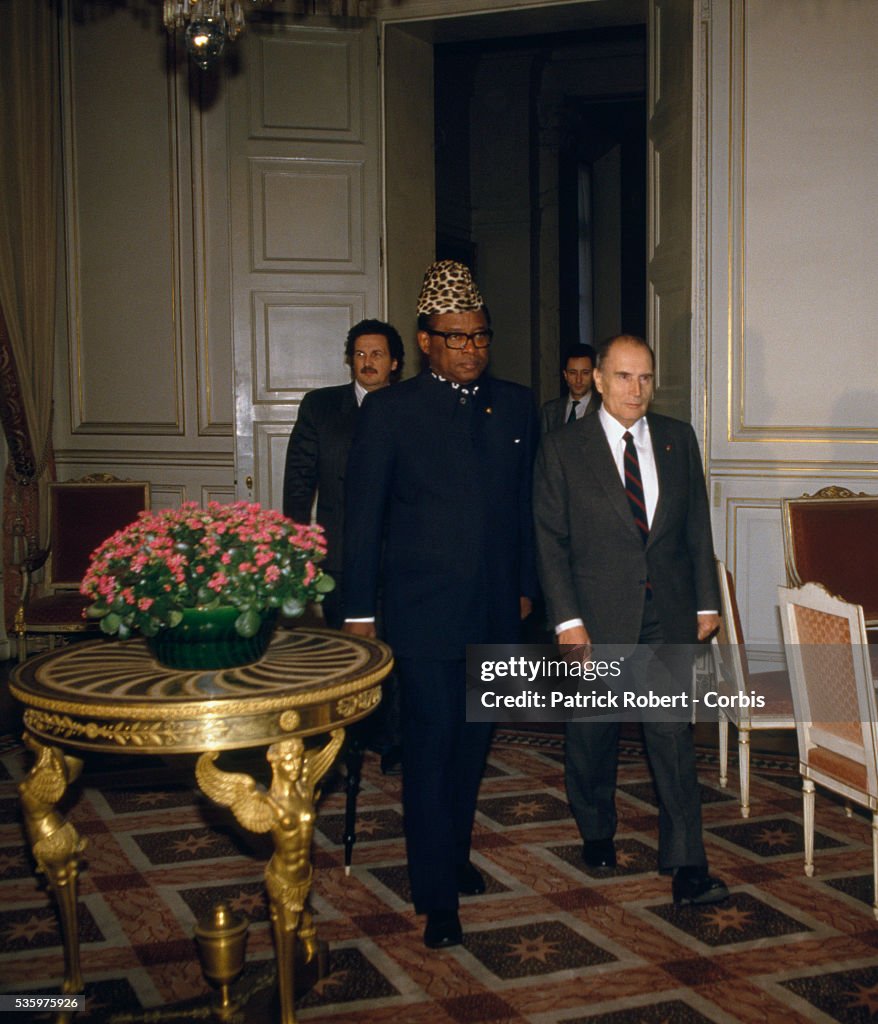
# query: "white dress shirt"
(580, 408)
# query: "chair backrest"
(82, 514)
(832, 687)
(831, 537)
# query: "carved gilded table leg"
(287, 811)
(55, 843)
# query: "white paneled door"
(305, 220)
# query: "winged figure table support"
(55, 843)
(287, 811)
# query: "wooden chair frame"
(836, 750)
(733, 676)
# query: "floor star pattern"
(547, 943)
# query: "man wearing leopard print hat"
(438, 508)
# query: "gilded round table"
(112, 696)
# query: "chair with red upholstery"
(82, 514)
(831, 537)
(733, 679)
(834, 700)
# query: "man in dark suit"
(317, 452)
(581, 398)
(629, 563)
(317, 455)
(441, 470)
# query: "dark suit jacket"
(317, 454)
(593, 564)
(553, 412)
(450, 478)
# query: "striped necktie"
(571, 416)
(634, 486)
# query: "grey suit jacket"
(592, 562)
(552, 412)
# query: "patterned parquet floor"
(545, 944)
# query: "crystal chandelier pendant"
(205, 39)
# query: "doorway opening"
(540, 180)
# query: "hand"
(366, 629)
(707, 626)
(526, 606)
(574, 638)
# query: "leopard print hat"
(448, 288)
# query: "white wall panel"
(122, 241)
(792, 148)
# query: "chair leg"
(808, 824)
(723, 750)
(353, 772)
(744, 770)
(875, 864)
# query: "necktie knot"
(571, 416)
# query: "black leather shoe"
(391, 761)
(695, 887)
(599, 854)
(443, 929)
(469, 880)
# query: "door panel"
(669, 202)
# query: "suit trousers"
(591, 757)
(443, 758)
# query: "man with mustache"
(317, 456)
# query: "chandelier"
(207, 24)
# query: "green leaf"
(97, 610)
(248, 622)
(110, 623)
(292, 607)
(324, 584)
(175, 617)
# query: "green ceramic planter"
(206, 638)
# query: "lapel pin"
(668, 447)
(488, 410)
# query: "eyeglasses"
(458, 339)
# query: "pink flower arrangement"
(242, 554)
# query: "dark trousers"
(590, 774)
(443, 757)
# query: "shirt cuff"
(370, 619)
(569, 624)
(711, 611)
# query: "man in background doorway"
(581, 398)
